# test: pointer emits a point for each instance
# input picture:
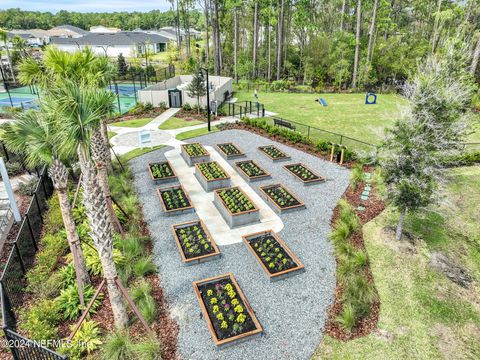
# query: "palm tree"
(4, 38)
(35, 134)
(82, 108)
(81, 67)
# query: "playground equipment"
(370, 98)
(321, 101)
(339, 153)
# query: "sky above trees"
(86, 5)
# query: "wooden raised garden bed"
(283, 199)
(236, 207)
(194, 153)
(194, 242)
(175, 200)
(229, 151)
(211, 176)
(229, 316)
(162, 172)
(304, 174)
(251, 171)
(276, 259)
(274, 153)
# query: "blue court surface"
(125, 89)
(27, 102)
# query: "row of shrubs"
(277, 86)
(297, 137)
(358, 293)
(52, 282)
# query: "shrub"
(14, 168)
(92, 261)
(117, 346)
(141, 295)
(357, 176)
(28, 188)
(39, 320)
(53, 217)
(359, 293)
(162, 105)
(346, 318)
(149, 349)
(68, 276)
(144, 266)
(69, 301)
(323, 146)
(186, 107)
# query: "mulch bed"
(146, 114)
(310, 149)
(190, 115)
(373, 207)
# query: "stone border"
(235, 339)
(305, 182)
(197, 259)
(165, 180)
(252, 178)
(236, 219)
(185, 210)
(277, 207)
(281, 274)
(192, 160)
(210, 185)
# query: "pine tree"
(122, 67)
(197, 89)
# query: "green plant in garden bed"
(251, 169)
(271, 253)
(174, 198)
(194, 240)
(229, 149)
(281, 196)
(226, 309)
(235, 200)
(302, 172)
(273, 152)
(161, 170)
(212, 170)
(195, 149)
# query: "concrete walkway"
(127, 138)
(203, 201)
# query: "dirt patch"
(449, 345)
(407, 245)
(454, 272)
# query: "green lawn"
(194, 133)
(135, 123)
(423, 315)
(137, 152)
(111, 134)
(346, 114)
(176, 123)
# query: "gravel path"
(292, 311)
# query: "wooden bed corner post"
(332, 152)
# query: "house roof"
(71, 28)
(39, 33)
(111, 39)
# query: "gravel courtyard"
(292, 312)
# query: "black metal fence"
(246, 108)
(13, 280)
(19, 98)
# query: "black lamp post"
(200, 73)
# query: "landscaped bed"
(303, 173)
(211, 176)
(276, 259)
(230, 151)
(194, 153)
(226, 309)
(175, 200)
(194, 242)
(251, 171)
(162, 172)
(282, 198)
(274, 153)
(235, 206)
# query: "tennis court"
(25, 101)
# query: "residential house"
(128, 43)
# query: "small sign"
(144, 138)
